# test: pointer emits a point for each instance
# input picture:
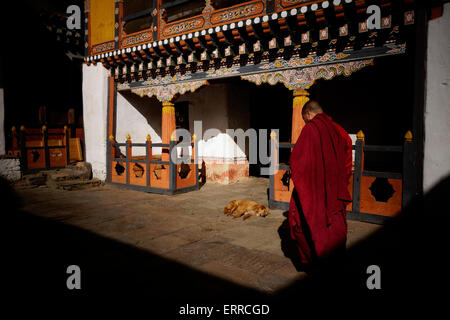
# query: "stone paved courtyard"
(189, 229)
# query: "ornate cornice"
(166, 93)
(303, 78)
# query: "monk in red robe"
(321, 165)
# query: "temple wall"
(217, 106)
(95, 102)
(101, 21)
(213, 105)
(2, 123)
(220, 106)
(138, 117)
(437, 108)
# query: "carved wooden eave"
(293, 79)
(257, 18)
(269, 36)
(166, 93)
(264, 66)
(310, 24)
(304, 78)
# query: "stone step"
(72, 177)
(82, 170)
(71, 185)
(35, 179)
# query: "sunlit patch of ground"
(187, 228)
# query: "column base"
(223, 170)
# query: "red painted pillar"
(168, 127)
(300, 98)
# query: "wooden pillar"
(111, 113)
(129, 154)
(300, 98)
(195, 157)
(15, 142)
(148, 158)
(409, 171)
(168, 127)
(359, 167)
(110, 155)
(46, 149)
(23, 149)
(274, 154)
(172, 169)
(118, 10)
(71, 122)
(67, 144)
(110, 128)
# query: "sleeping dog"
(237, 208)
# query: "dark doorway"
(182, 115)
(377, 100)
(271, 108)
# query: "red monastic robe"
(321, 164)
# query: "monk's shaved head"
(310, 109)
(312, 106)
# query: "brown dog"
(237, 208)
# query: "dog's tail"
(248, 215)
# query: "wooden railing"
(150, 172)
(46, 148)
(396, 188)
(41, 149)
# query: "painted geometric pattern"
(299, 62)
(238, 12)
(305, 77)
(102, 47)
(158, 81)
(218, 17)
(137, 38)
(217, 73)
(181, 27)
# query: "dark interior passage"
(377, 100)
(271, 108)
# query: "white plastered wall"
(95, 103)
(213, 105)
(130, 121)
(437, 108)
